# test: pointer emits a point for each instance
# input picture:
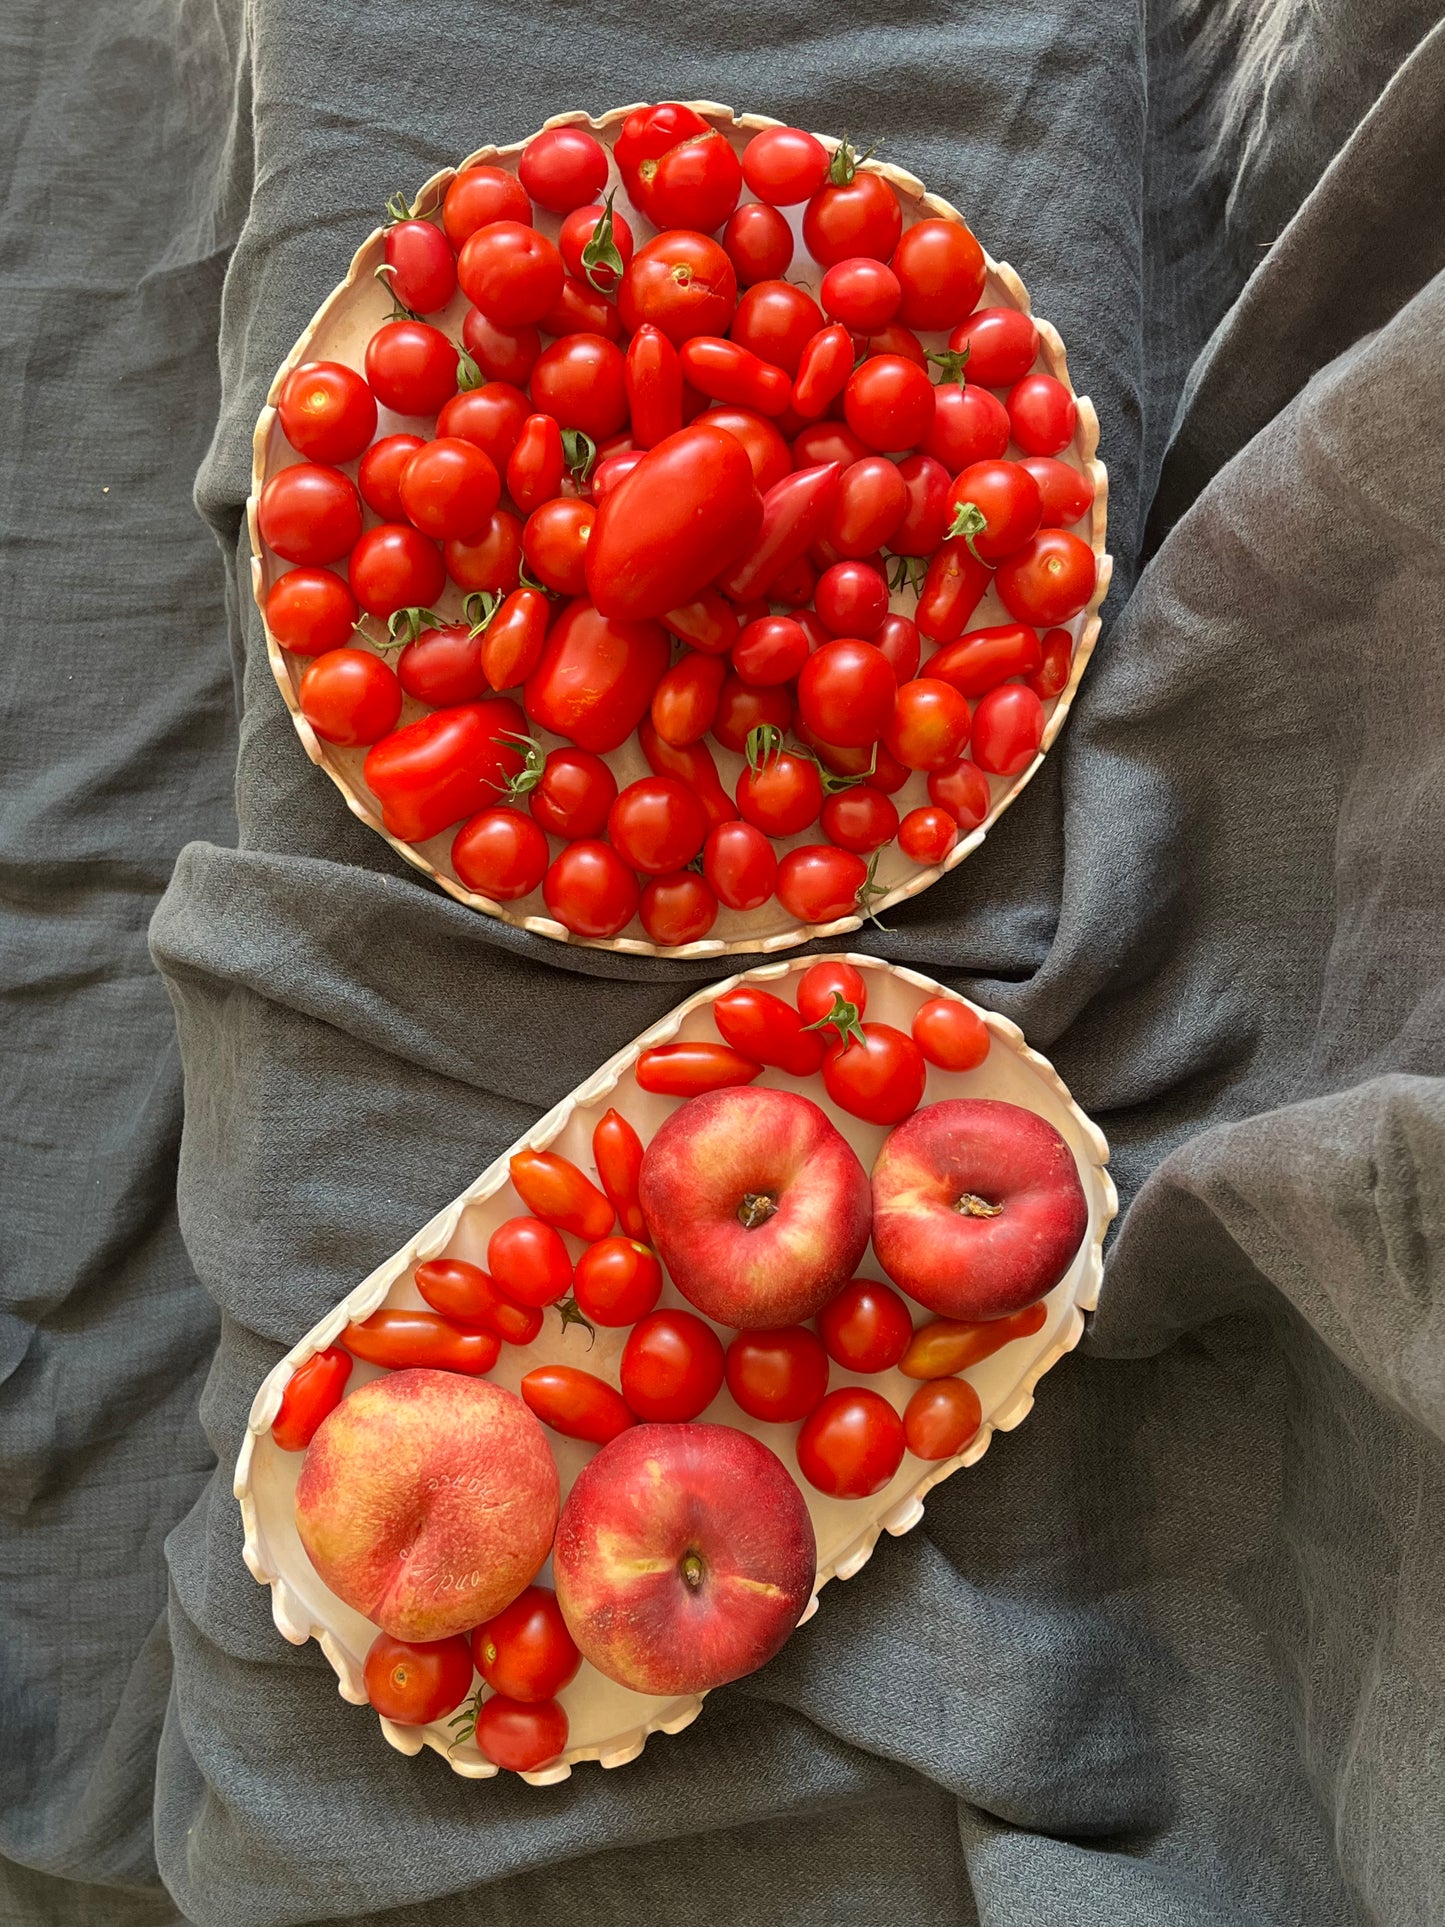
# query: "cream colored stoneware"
(340, 331)
(608, 1722)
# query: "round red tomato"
(941, 272)
(327, 411)
(590, 890)
(310, 611)
(511, 272)
(493, 562)
(851, 1445)
(871, 502)
(443, 666)
(996, 507)
(942, 1418)
(851, 599)
(827, 441)
(1052, 675)
(866, 1328)
(573, 794)
(771, 650)
(740, 865)
(898, 641)
(680, 171)
(846, 693)
(783, 165)
(969, 425)
(860, 819)
(678, 908)
(657, 824)
(554, 544)
(1042, 414)
(617, 1281)
(1001, 344)
(776, 321)
(857, 213)
(529, 1261)
(478, 196)
(379, 474)
(526, 1651)
(889, 403)
(500, 854)
(578, 381)
(417, 1681)
(449, 487)
(350, 696)
(950, 1034)
(818, 884)
(519, 1737)
(927, 835)
(861, 293)
(929, 725)
(741, 709)
(777, 1376)
(1048, 580)
(767, 451)
(423, 269)
(395, 566)
(492, 417)
(758, 242)
(310, 514)
(1066, 496)
(563, 168)
(1008, 728)
(782, 794)
(880, 1079)
(672, 1367)
(926, 517)
(682, 283)
(963, 791)
(580, 231)
(823, 986)
(411, 367)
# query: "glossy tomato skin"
(519, 1737)
(581, 310)
(313, 1392)
(777, 1376)
(492, 417)
(763, 1026)
(591, 890)
(851, 1444)
(1051, 677)
(1008, 730)
(861, 293)
(493, 562)
(776, 321)
(656, 825)
(851, 599)
(617, 1281)
(726, 373)
(880, 1080)
(898, 640)
(770, 650)
(1042, 414)
(954, 586)
(769, 454)
(961, 789)
(861, 819)
(822, 985)
(672, 1367)
(594, 681)
(423, 268)
(828, 441)
(872, 500)
(942, 1418)
(574, 794)
(818, 884)
(555, 1190)
(652, 376)
(889, 403)
(450, 488)
(535, 465)
(401, 1339)
(443, 666)
(683, 283)
(685, 701)
(617, 1151)
(927, 835)
(950, 1034)
(926, 516)
(446, 766)
(310, 514)
(328, 414)
(782, 795)
(502, 354)
(784, 165)
(554, 544)
(529, 1261)
(379, 472)
(1005, 497)
(740, 865)
(526, 1651)
(562, 168)
(1049, 580)
(500, 853)
(309, 611)
(969, 425)
(1001, 344)
(575, 1403)
(415, 1682)
(867, 1327)
(846, 693)
(464, 1293)
(511, 273)
(941, 272)
(680, 172)
(861, 217)
(349, 697)
(512, 641)
(758, 242)
(983, 658)
(480, 195)
(687, 1070)
(579, 382)
(929, 725)
(394, 566)
(742, 709)
(1065, 495)
(579, 230)
(411, 367)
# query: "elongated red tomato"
(947, 1345)
(465, 1294)
(984, 658)
(694, 766)
(685, 701)
(653, 378)
(575, 1403)
(431, 773)
(399, 1339)
(313, 1392)
(725, 372)
(511, 644)
(594, 679)
(710, 623)
(761, 1025)
(534, 467)
(554, 1190)
(617, 1153)
(1052, 675)
(823, 370)
(686, 1070)
(793, 515)
(952, 590)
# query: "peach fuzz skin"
(685, 1557)
(427, 1501)
(718, 1149)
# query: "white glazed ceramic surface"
(340, 332)
(608, 1722)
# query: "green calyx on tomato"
(846, 161)
(580, 452)
(405, 625)
(869, 890)
(397, 210)
(950, 363)
(383, 273)
(478, 609)
(571, 1313)
(602, 252)
(762, 745)
(907, 572)
(844, 1018)
(968, 521)
(465, 1718)
(469, 374)
(534, 761)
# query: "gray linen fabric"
(1172, 1653)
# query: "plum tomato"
(500, 853)
(394, 566)
(502, 354)
(350, 697)
(590, 890)
(861, 293)
(726, 373)
(819, 884)
(871, 502)
(995, 507)
(411, 367)
(851, 1444)
(310, 514)
(594, 680)
(1042, 415)
(926, 516)
(450, 488)
(898, 641)
(889, 403)
(855, 212)
(927, 835)
(554, 544)
(656, 824)
(680, 171)
(414, 1682)
(685, 700)
(653, 377)
(562, 168)
(767, 451)
(851, 599)
(679, 907)
(402, 1339)
(511, 272)
(526, 1651)
(953, 587)
(866, 1328)
(740, 865)
(309, 611)
(784, 165)
(969, 425)
(578, 381)
(763, 1026)
(687, 1070)
(941, 272)
(379, 472)
(1065, 494)
(942, 1418)
(1051, 677)
(607, 235)
(828, 441)
(520, 1737)
(492, 417)
(947, 1345)
(493, 562)
(512, 641)
(434, 772)
(777, 1376)
(464, 1293)
(981, 659)
(771, 650)
(617, 1152)
(929, 725)
(313, 1392)
(617, 1281)
(328, 413)
(477, 197)
(422, 270)
(846, 693)
(683, 283)
(950, 1034)
(823, 986)
(780, 793)
(555, 1190)
(575, 1403)
(776, 321)
(861, 819)
(758, 242)
(1008, 729)
(1049, 580)
(1001, 345)
(742, 708)
(535, 465)
(963, 791)
(876, 1073)
(529, 1261)
(672, 1367)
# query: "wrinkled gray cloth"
(1171, 1656)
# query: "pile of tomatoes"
(680, 497)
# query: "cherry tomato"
(823, 986)
(579, 382)
(740, 865)
(617, 1281)
(492, 417)
(926, 517)
(464, 1293)
(672, 1367)
(443, 666)
(783, 165)
(1051, 677)
(423, 268)
(393, 566)
(611, 470)
(520, 1738)
(969, 425)
(1065, 495)
(996, 507)
(851, 1445)
(574, 794)
(1001, 344)
(880, 1079)
(861, 293)
(954, 586)
(529, 1261)
(434, 772)
(595, 678)
(554, 1190)
(477, 197)
(450, 488)
(327, 411)
(941, 1419)
(310, 514)
(856, 213)
(1008, 728)
(781, 794)
(947, 1345)
(963, 791)
(562, 168)
(617, 1153)
(771, 650)
(861, 819)
(692, 765)
(687, 1070)
(604, 231)
(759, 243)
(378, 474)
(493, 562)
(554, 543)
(866, 1328)
(401, 1339)
(927, 835)
(682, 283)
(500, 853)
(680, 171)
(502, 354)
(897, 640)
(824, 368)
(590, 890)
(511, 272)
(309, 611)
(685, 700)
(313, 1392)
(536, 463)
(677, 908)
(761, 1025)
(941, 272)
(929, 725)
(776, 321)
(846, 693)
(1042, 414)
(656, 825)
(873, 764)
(580, 310)
(1049, 580)
(950, 1034)
(526, 1652)
(895, 339)
(871, 502)
(411, 367)
(777, 1376)
(414, 1682)
(817, 883)
(724, 372)
(851, 599)
(742, 709)
(889, 403)
(767, 451)
(511, 643)
(350, 696)
(830, 441)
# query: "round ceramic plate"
(607, 1721)
(340, 332)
